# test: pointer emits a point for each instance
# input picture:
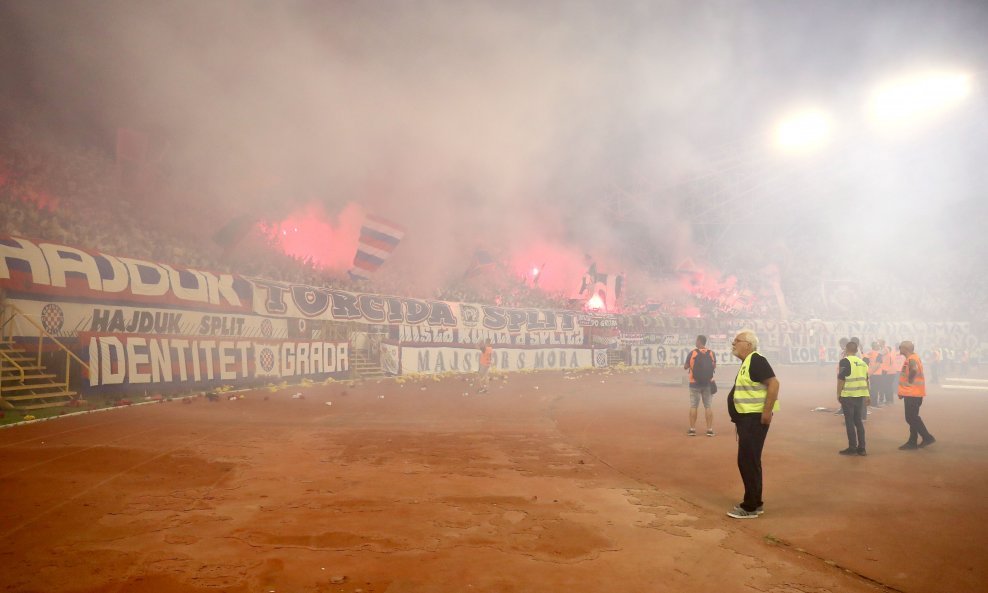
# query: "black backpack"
(703, 367)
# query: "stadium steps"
(26, 385)
(366, 369)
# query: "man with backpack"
(701, 364)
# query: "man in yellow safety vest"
(751, 403)
(852, 395)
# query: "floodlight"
(803, 130)
(908, 100)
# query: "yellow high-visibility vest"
(856, 384)
(749, 396)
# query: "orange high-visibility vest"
(918, 387)
(485, 356)
(873, 366)
(888, 361)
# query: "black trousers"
(854, 413)
(916, 425)
(751, 441)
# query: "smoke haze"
(636, 132)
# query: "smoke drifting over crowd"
(538, 131)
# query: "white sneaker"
(739, 513)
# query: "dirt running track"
(550, 483)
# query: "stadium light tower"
(803, 130)
(910, 100)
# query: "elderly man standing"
(912, 390)
(751, 403)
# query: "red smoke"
(561, 268)
(310, 233)
(39, 198)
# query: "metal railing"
(366, 345)
(9, 316)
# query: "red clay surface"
(550, 483)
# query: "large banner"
(675, 355)
(135, 296)
(421, 321)
(38, 269)
(413, 334)
(65, 320)
(440, 359)
(73, 291)
(126, 359)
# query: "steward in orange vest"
(874, 372)
(888, 381)
(912, 392)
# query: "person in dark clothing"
(701, 363)
(853, 396)
(843, 342)
(751, 404)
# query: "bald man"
(912, 391)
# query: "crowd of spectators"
(882, 294)
(71, 194)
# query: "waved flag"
(482, 261)
(378, 239)
(234, 231)
(609, 287)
